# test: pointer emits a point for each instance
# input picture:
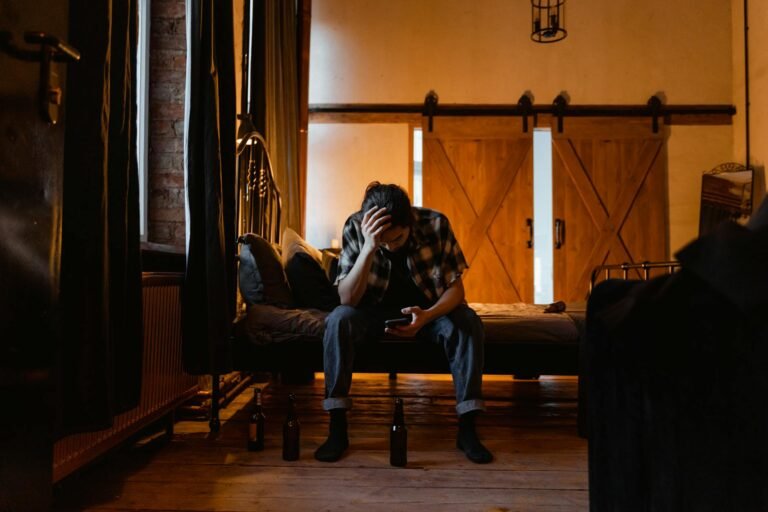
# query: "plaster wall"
(343, 160)
(616, 52)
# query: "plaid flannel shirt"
(434, 256)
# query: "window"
(142, 113)
(543, 280)
(417, 160)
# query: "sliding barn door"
(478, 171)
(609, 195)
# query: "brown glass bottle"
(291, 430)
(256, 424)
(398, 437)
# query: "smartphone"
(397, 322)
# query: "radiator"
(164, 383)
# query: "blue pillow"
(262, 279)
(251, 286)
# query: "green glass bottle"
(398, 437)
(256, 424)
(291, 432)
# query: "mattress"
(503, 323)
(521, 322)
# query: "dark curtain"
(101, 352)
(257, 82)
(209, 286)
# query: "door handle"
(559, 233)
(529, 224)
(52, 49)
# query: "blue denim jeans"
(460, 332)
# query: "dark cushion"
(309, 283)
(266, 324)
(303, 265)
(261, 275)
(330, 263)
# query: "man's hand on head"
(375, 222)
(419, 318)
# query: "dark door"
(31, 160)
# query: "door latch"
(529, 225)
(559, 233)
(51, 49)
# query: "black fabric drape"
(209, 286)
(258, 78)
(677, 372)
(100, 359)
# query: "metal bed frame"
(642, 270)
(258, 208)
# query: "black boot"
(338, 441)
(468, 442)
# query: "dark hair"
(391, 197)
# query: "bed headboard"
(258, 204)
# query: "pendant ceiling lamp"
(548, 21)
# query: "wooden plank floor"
(540, 464)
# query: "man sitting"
(400, 260)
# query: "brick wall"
(166, 122)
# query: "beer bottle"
(291, 432)
(256, 424)
(398, 437)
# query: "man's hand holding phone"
(397, 322)
(418, 319)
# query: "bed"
(521, 339)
